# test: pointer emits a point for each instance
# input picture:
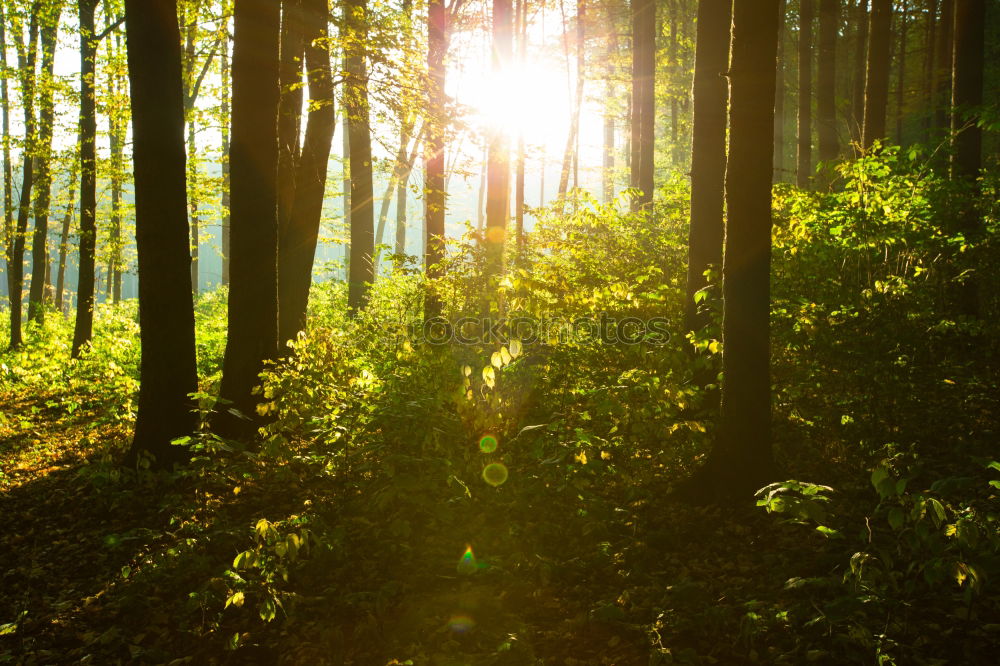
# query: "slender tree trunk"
(522, 58)
(708, 150)
(297, 248)
(362, 270)
(434, 187)
(608, 163)
(400, 173)
(741, 460)
(966, 98)
(643, 100)
(945, 48)
(826, 93)
(572, 141)
(117, 141)
(498, 162)
(253, 288)
(672, 68)
(167, 371)
(8, 176)
(84, 326)
(15, 249)
(289, 108)
(43, 175)
(877, 73)
(345, 170)
(225, 200)
(860, 69)
(779, 100)
(901, 82)
(190, 34)
(67, 222)
(929, 87)
(803, 167)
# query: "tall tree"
(43, 162)
(362, 267)
(708, 149)
(826, 83)
(297, 243)
(116, 139)
(803, 167)
(942, 79)
(966, 99)
(26, 59)
(84, 325)
(289, 111)
(253, 288)
(779, 100)
(742, 460)
(498, 155)
(435, 194)
(929, 87)
(67, 222)
(643, 99)
(904, 25)
(877, 72)
(572, 139)
(861, 21)
(224, 113)
(167, 370)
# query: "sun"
(529, 100)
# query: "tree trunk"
(569, 153)
(643, 99)
(901, 81)
(943, 80)
(8, 176)
(297, 246)
(860, 69)
(362, 270)
(498, 162)
(225, 156)
(826, 103)
(966, 98)
(929, 87)
(708, 150)
(742, 460)
(345, 170)
(253, 290)
(522, 59)
(167, 371)
(43, 175)
(289, 110)
(877, 73)
(434, 187)
(779, 100)
(803, 166)
(15, 249)
(67, 221)
(117, 141)
(84, 326)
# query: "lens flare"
(488, 444)
(461, 623)
(467, 563)
(495, 474)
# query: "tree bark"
(966, 98)
(708, 150)
(8, 176)
(167, 370)
(297, 246)
(901, 79)
(929, 87)
(435, 198)
(224, 112)
(289, 109)
(117, 145)
(742, 460)
(945, 47)
(826, 103)
(779, 100)
(67, 222)
(498, 157)
(84, 326)
(362, 269)
(877, 73)
(803, 166)
(253, 288)
(860, 69)
(643, 100)
(43, 158)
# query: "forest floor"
(649, 583)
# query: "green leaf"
(490, 376)
(939, 512)
(268, 610)
(236, 599)
(896, 518)
(515, 348)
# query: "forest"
(500, 332)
